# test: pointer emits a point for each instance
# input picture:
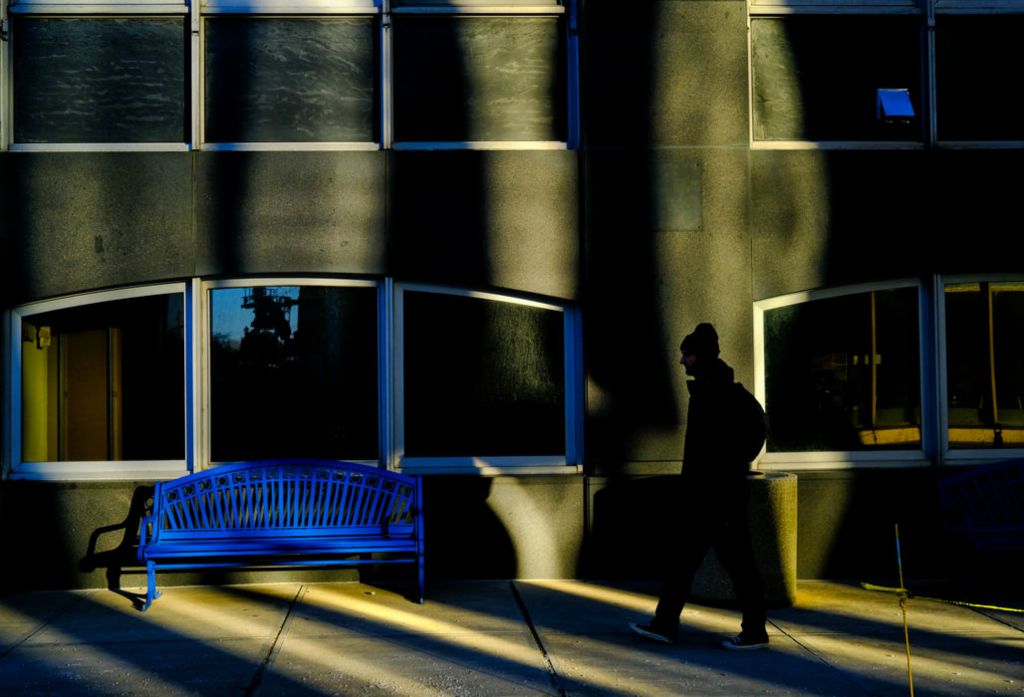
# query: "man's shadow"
(124, 554)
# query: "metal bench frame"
(280, 514)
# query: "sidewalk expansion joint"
(556, 682)
(275, 645)
(821, 658)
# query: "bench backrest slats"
(302, 495)
(985, 504)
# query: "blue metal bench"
(284, 513)
(985, 506)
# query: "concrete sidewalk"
(491, 638)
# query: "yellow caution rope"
(961, 603)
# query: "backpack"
(751, 423)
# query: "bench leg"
(422, 580)
(151, 592)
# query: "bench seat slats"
(291, 546)
(284, 513)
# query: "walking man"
(725, 431)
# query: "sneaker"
(651, 632)
(744, 642)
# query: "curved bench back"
(286, 495)
(986, 504)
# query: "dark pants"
(729, 535)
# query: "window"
(479, 78)
(293, 372)
(287, 79)
(984, 340)
(816, 77)
(112, 385)
(842, 373)
(821, 68)
(894, 373)
(100, 380)
(99, 80)
(296, 75)
(484, 381)
(976, 94)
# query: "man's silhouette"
(725, 431)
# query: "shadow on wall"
(465, 538)
(629, 392)
(635, 523)
(99, 553)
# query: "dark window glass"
(99, 80)
(482, 378)
(291, 80)
(816, 77)
(985, 364)
(977, 92)
(844, 373)
(104, 382)
(293, 373)
(479, 79)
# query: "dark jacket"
(725, 431)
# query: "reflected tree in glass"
(293, 373)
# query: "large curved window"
(842, 373)
(150, 382)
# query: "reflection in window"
(293, 373)
(104, 382)
(482, 378)
(290, 80)
(843, 373)
(985, 364)
(99, 80)
(462, 79)
(816, 77)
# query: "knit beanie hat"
(702, 342)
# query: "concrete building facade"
(464, 240)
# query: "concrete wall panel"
(81, 221)
(288, 212)
(486, 219)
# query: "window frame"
(964, 7)
(935, 450)
(86, 9)
(927, 10)
(961, 456)
(268, 10)
(204, 329)
(197, 308)
(16, 468)
(569, 463)
(195, 13)
(484, 8)
(848, 459)
(780, 9)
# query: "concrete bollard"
(773, 515)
